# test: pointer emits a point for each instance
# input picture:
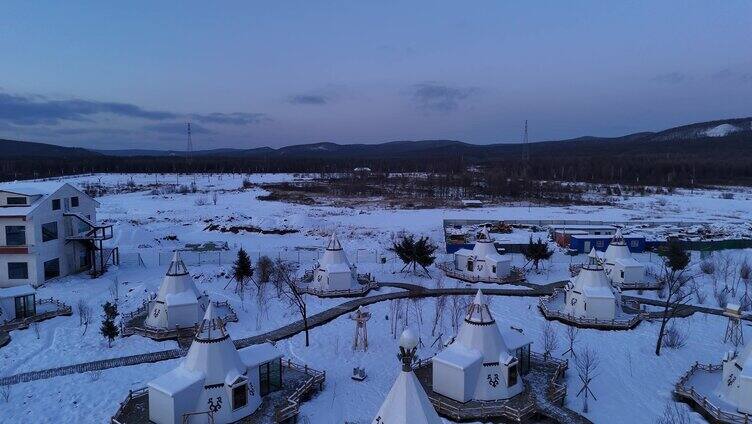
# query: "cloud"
(235, 118)
(176, 128)
(670, 78)
(309, 99)
(729, 75)
(437, 97)
(89, 131)
(34, 110)
(27, 110)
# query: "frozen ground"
(632, 385)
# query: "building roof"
(177, 288)
(258, 354)
(407, 403)
(16, 291)
(480, 332)
(592, 277)
(44, 189)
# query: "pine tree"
(241, 270)
(537, 251)
(415, 253)
(108, 329)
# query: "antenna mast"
(189, 153)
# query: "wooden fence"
(292, 408)
(62, 309)
(689, 393)
(128, 328)
(132, 394)
(613, 324)
(515, 276)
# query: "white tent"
(483, 261)
(178, 302)
(590, 294)
(334, 271)
(407, 402)
(478, 364)
(619, 264)
(735, 386)
(213, 377)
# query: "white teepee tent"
(407, 402)
(483, 260)
(334, 271)
(619, 263)
(480, 364)
(178, 302)
(213, 377)
(590, 294)
(735, 385)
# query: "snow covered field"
(632, 386)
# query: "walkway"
(287, 331)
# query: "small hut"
(483, 363)
(17, 302)
(333, 271)
(215, 381)
(178, 302)
(619, 264)
(483, 261)
(407, 402)
(590, 294)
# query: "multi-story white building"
(49, 230)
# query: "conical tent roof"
(480, 332)
(212, 352)
(334, 258)
(484, 246)
(592, 275)
(177, 280)
(407, 403)
(617, 248)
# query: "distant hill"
(13, 149)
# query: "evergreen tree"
(241, 270)
(537, 251)
(675, 256)
(108, 329)
(415, 252)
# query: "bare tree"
(676, 283)
(215, 197)
(283, 277)
(587, 363)
(440, 303)
(84, 314)
(700, 295)
(674, 413)
(549, 339)
(458, 309)
(5, 392)
(675, 338)
(745, 274)
(572, 332)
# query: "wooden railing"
(448, 268)
(209, 416)
(489, 410)
(62, 309)
(718, 414)
(640, 286)
(127, 328)
(292, 408)
(556, 391)
(590, 322)
(143, 391)
(364, 288)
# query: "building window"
(55, 204)
(15, 235)
(49, 231)
(18, 270)
(622, 274)
(512, 375)
(633, 243)
(239, 396)
(16, 200)
(74, 201)
(52, 268)
(493, 269)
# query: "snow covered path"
(287, 331)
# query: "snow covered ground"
(632, 386)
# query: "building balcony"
(16, 250)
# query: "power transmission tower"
(526, 174)
(189, 152)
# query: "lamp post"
(408, 346)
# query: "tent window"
(470, 265)
(239, 396)
(512, 375)
(493, 269)
(622, 274)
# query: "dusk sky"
(115, 75)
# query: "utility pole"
(526, 175)
(189, 153)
